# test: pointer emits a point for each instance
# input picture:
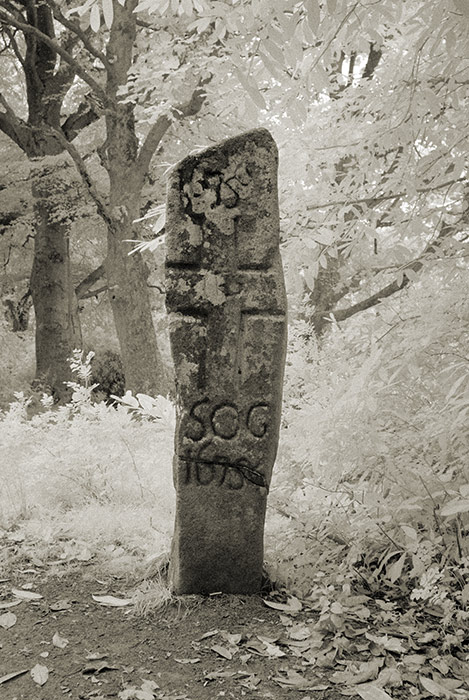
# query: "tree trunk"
(127, 275)
(57, 325)
(128, 295)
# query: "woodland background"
(368, 103)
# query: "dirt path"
(219, 646)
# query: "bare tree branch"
(76, 29)
(14, 127)
(101, 205)
(79, 70)
(382, 198)
(162, 124)
(395, 286)
(82, 290)
(15, 46)
(94, 292)
(81, 118)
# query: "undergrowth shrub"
(372, 479)
(88, 471)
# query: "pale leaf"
(7, 620)
(273, 651)
(456, 506)
(59, 641)
(222, 651)
(431, 687)
(293, 605)
(12, 604)
(395, 570)
(214, 675)
(9, 676)
(371, 692)
(314, 15)
(25, 595)
(108, 13)
(211, 633)
(40, 674)
(95, 18)
(146, 402)
(111, 600)
(127, 399)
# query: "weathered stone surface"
(226, 298)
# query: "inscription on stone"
(226, 299)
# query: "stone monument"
(226, 300)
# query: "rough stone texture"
(226, 298)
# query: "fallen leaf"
(136, 694)
(367, 670)
(98, 667)
(427, 637)
(389, 643)
(394, 571)
(59, 641)
(440, 664)
(84, 555)
(40, 673)
(7, 620)
(9, 676)
(149, 685)
(60, 605)
(212, 633)
(371, 692)
(437, 689)
(25, 595)
(389, 676)
(11, 604)
(95, 656)
(187, 661)
(231, 638)
(251, 682)
(293, 605)
(145, 692)
(456, 506)
(293, 680)
(222, 651)
(465, 594)
(299, 632)
(219, 674)
(111, 600)
(273, 651)
(257, 647)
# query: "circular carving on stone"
(233, 479)
(225, 421)
(193, 425)
(194, 429)
(205, 473)
(258, 420)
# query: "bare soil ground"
(67, 644)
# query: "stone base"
(218, 540)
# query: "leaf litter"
(356, 645)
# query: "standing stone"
(227, 305)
